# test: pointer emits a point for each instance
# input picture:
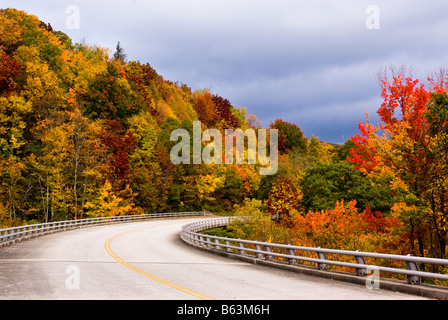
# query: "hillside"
(86, 133)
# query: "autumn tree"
(284, 201)
(154, 177)
(437, 157)
(290, 136)
(345, 227)
(146, 80)
(87, 159)
(11, 30)
(399, 149)
(205, 108)
(13, 115)
(10, 68)
(224, 110)
(110, 95)
(121, 144)
(108, 203)
(256, 224)
(50, 166)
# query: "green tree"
(119, 53)
(290, 136)
(326, 183)
(437, 155)
(111, 96)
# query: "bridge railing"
(16, 234)
(263, 250)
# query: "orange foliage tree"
(344, 227)
(399, 149)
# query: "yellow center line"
(146, 274)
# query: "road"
(148, 260)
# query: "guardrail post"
(292, 252)
(412, 266)
(227, 246)
(241, 251)
(196, 239)
(258, 254)
(268, 256)
(217, 245)
(17, 236)
(209, 245)
(362, 272)
(322, 265)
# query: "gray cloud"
(313, 63)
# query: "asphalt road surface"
(148, 260)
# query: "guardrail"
(16, 234)
(264, 250)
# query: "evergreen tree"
(119, 54)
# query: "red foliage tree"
(223, 109)
(363, 155)
(205, 109)
(121, 144)
(9, 69)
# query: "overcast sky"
(313, 63)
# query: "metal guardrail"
(16, 234)
(264, 250)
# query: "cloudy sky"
(313, 63)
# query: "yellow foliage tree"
(283, 201)
(108, 204)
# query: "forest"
(85, 132)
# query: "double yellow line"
(146, 274)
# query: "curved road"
(148, 260)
